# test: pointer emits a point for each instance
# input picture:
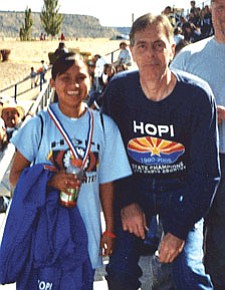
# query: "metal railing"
(13, 89)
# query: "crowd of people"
(149, 143)
(101, 72)
(196, 25)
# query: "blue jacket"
(44, 245)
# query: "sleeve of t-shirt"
(114, 163)
(27, 138)
(179, 61)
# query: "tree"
(25, 30)
(50, 17)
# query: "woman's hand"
(63, 181)
(107, 244)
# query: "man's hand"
(170, 248)
(133, 220)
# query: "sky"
(110, 13)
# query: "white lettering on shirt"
(152, 129)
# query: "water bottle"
(70, 199)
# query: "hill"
(74, 25)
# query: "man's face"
(218, 18)
(152, 51)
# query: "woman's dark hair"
(64, 62)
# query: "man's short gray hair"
(149, 19)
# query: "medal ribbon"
(67, 138)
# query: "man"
(206, 60)
(168, 124)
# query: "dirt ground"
(23, 55)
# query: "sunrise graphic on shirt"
(150, 150)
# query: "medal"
(77, 163)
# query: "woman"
(72, 133)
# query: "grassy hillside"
(74, 25)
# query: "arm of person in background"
(220, 113)
(107, 238)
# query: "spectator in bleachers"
(96, 73)
(61, 50)
(12, 114)
(91, 71)
(194, 17)
(109, 71)
(1, 104)
(121, 67)
(99, 68)
(169, 13)
(33, 77)
(191, 32)
(42, 71)
(180, 45)
(124, 56)
(3, 135)
(193, 8)
(4, 200)
(178, 36)
(62, 37)
(205, 23)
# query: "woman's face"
(72, 86)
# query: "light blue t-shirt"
(107, 160)
(205, 59)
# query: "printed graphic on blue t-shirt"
(151, 151)
(63, 158)
(155, 155)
